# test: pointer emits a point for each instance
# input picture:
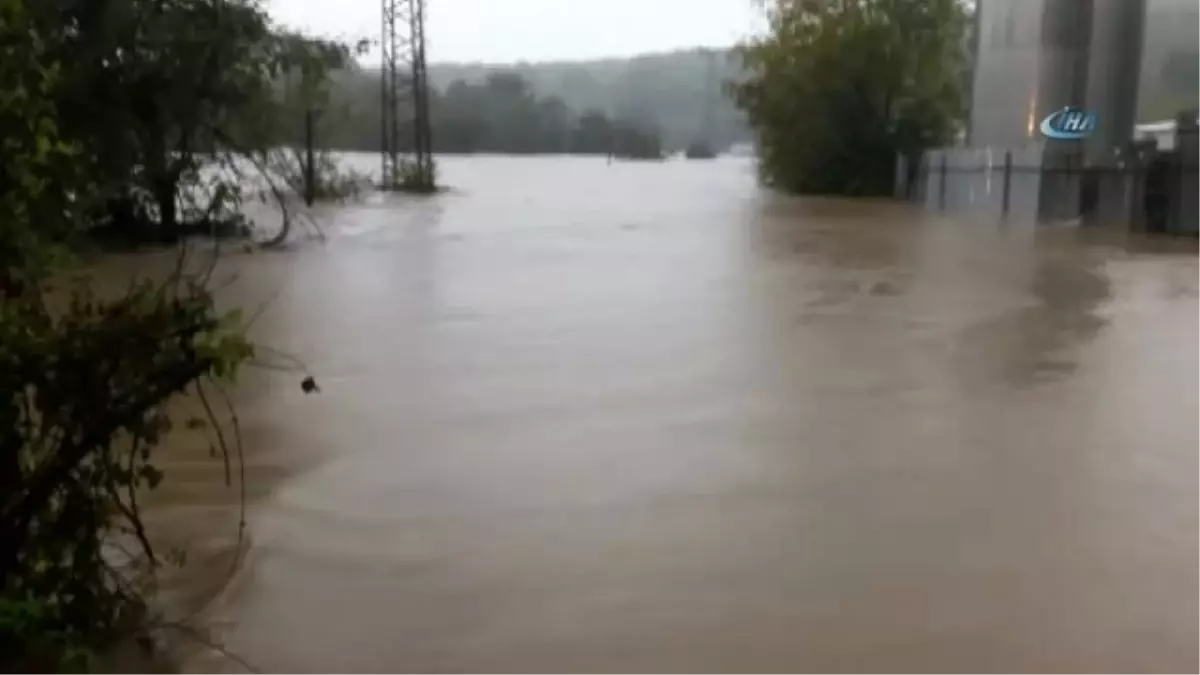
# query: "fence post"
(1007, 186)
(942, 184)
(914, 174)
(900, 176)
(310, 178)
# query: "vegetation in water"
(835, 90)
(133, 116)
(331, 180)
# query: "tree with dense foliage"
(129, 115)
(153, 91)
(36, 167)
(837, 88)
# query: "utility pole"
(406, 164)
(310, 169)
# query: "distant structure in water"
(406, 163)
(699, 150)
(1032, 59)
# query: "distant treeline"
(681, 93)
(670, 100)
(501, 114)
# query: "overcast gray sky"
(538, 30)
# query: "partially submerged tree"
(300, 107)
(838, 87)
(110, 112)
(159, 95)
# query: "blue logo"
(1069, 124)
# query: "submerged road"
(647, 417)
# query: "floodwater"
(647, 417)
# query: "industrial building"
(1034, 58)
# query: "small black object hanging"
(309, 385)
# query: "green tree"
(593, 134)
(838, 87)
(554, 120)
(154, 91)
(103, 103)
(36, 167)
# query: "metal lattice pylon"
(407, 141)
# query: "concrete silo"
(1032, 58)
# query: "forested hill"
(672, 90)
(674, 98)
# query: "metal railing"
(1142, 187)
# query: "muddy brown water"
(647, 417)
